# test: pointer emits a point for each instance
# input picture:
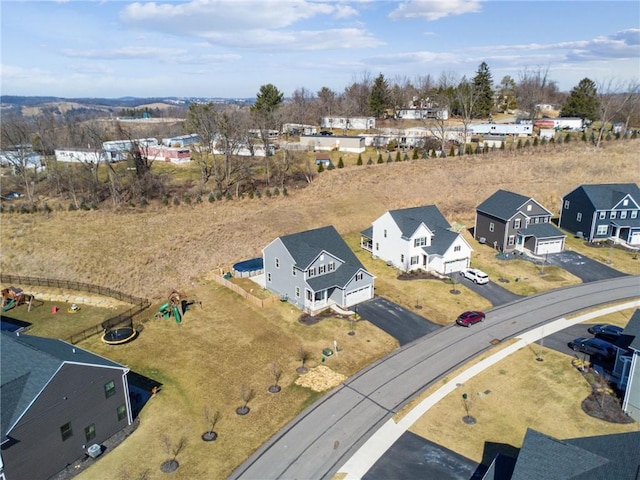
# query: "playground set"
(13, 297)
(174, 307)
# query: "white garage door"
(358, 296)
(455, 265)
(552, 246)
(635, 238)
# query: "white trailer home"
(81, 155)
(501, 129)
(340, 143)
(349, 123)
(421, 113)
(568, 123)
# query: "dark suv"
(594, 347)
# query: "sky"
(228, 49)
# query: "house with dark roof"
(626, 370)
(603, 211)
(587, 458)
(316, 269)
(58, 401)
(417, 238)
(509, 221)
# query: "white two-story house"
(417, 238)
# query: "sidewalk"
(360, 463)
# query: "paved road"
(319, 440)
(400, 323)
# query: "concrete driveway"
(494, 292)
(584, 268)
(400, 323)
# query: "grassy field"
(204, 361)
(515, 394)
(227, 343)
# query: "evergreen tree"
(507, 94)
(414, 156)
(340, 163)
(359, 162)
(320, 168)
(398, 156)
(452, 151)
(483, 85)
(380, 158)
(370, 161)
(379, 96)
(583, 101)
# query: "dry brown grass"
(205, 361)
(513, 395)
(149, 252)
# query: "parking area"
(559, 341)
(400, 323)
(584, 268)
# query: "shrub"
(228, 196)
(165, 200)
(187, 199)
(340, 163)
(527, 144)
(331, 166)
(258, 194)
(198, 198)
(72, 207)
(211, 197)
(536, 141)
(584, 136)
(276, 192)
(370, 161)
(176, 200)
(389, 159)
(251, 194)
(359, 162)
(93, 206)
(398, 156)
(218, 195)
(83, 205)
(415, 156)
(519, 144)
(285, 192)
(144, 202)
(46, 208)
(11, 209)
(567, 138)
(267, 192)
(320, 168)
(24, 209)
(434, 154)
(380, 158)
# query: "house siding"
(631, 403)
(281, 279)
(75, 394)
(497, 237)
(579, 203)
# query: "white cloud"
(434, 9)
(124, 53)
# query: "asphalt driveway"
(400, 323)
(559, 341)
(584, 268)
(494, 292)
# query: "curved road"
(319, 440)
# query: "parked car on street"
(467, 319)
(606, 332)
(475, 275)
(594, 347)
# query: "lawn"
(204, 361)
(515, 394)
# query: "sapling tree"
(276, 373)
(303, 356)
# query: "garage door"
(358, 296)
(455, 265)
(552, 246)
(635, 238)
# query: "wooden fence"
(261, 302)
(122, 319)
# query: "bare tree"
(615, 97)
(16, 137)
(303, 356)
(631, 111)
(276, 373)
(533, 90)
(466, 96)
(211, 418)
(356, 96)
(442, 98)
(247, 394)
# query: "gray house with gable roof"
(603, 211)
(509, 221)
(315, 270)
(626, 370)
(417, 238)
(57, 401)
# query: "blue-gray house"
(58, 401)
(315, 270)
(603, 211)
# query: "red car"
(469, 318)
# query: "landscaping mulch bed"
(419, 275)
(603, 403)
(307, 319)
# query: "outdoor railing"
(126, 318)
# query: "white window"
(491, 227)
(415, 260)
(623, 214)
(297, 291)
(385, 233)
(512, 239)
(613, 214)
(545, 220)
(321, 269)
(293, 271)
(359, 276)
(529, 208)
(457, 248)
(634, 214)
(377, 247)
(516, 223)
(602, 215)
(269, 277)
(331, 267)
(312, 271)
(566, 204)
(277, 263)
(420, 242)
(537, 220)
(579, 216)
(602, 230)
(625, 202)
(309, 295)
(401, 258)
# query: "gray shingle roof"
(27, 364)
(305, 247)
(502, 204)
(542, 230)
(367, 232)
(441, 242)
(605, 196)
(409, 219)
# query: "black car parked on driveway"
(606, 332)
(594, 347)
